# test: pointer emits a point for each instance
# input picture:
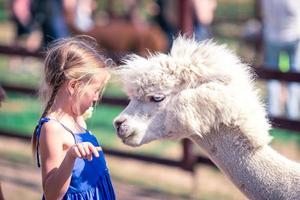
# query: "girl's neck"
(75, 123)
(63, 112)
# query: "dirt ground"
(132, 179)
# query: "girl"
(72, 163)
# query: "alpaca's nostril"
(119, 121)
(121, 126)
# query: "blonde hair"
(68, 59)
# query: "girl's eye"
(157, 98)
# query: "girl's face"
(91, 94)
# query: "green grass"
(17, 111)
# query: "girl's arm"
(58, 154)
(57, 164)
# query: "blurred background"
(159, 170)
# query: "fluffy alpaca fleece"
(204, 84)
(202, 91)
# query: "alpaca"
(122, 35)
(203, 91)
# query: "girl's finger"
(77, 152)
(86, 149)
(94, 150)
(81, 150)
(89, 155)
(98, 148)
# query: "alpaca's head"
(170, 94)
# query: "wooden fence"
(189, 159)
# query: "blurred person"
(50, 18)
(84, 12)
(23, 20)
(72, 162)
(281, 34)
(21, 16)
(168, 19)
(204, 15)
(25, 33)
(80, 13)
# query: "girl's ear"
(71, 87)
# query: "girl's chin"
(88, 113)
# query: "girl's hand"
(84, 150)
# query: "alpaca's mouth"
(127, 134)
(127, 138)
(131, 141)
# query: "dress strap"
(38, 133)
(65, 127)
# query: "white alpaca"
(202, 91)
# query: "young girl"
(71, 160)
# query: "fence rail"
(266, 74)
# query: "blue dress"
(90, 179)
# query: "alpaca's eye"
(157, 98)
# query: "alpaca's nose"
(118, 121)
(120, 126)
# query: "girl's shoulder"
(52, 127)
(55, 132)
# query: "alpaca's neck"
(260, 173)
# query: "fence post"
(189, 158)
(186, 17)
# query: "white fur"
(198, 66)
(210, 98)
